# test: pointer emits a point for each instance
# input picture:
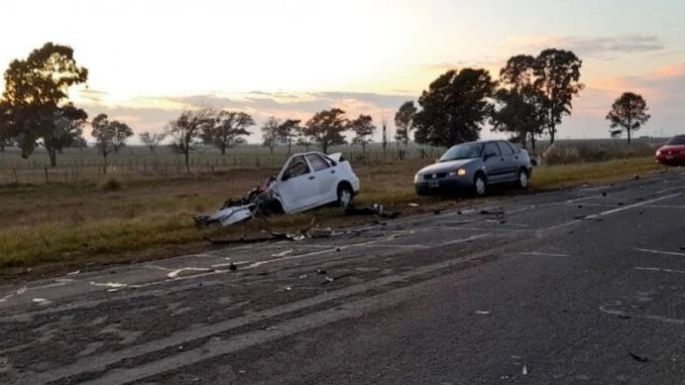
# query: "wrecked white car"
(307, 181)
(312, 180)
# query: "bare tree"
(103, 134)
(121, 132)
(187, 129)
(151, 140)
(270, 133)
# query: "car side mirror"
(286, 176)
(489, 155)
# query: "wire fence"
(76, 166)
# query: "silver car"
(474, 166)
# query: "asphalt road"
(570, 287)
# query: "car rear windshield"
(678, 140)
(462, 151)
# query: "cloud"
(598, 47)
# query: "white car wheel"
(345, 197)
(479, 185)
(523, 179)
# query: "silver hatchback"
(474, 166)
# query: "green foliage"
(629, 112)
(110, 135)
(288, 131)
(557, 76)
(454, 108)
(363, 128)
(224, 129)
(404, 121)
(326, 128)
(35, 90)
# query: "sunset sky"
(148, 60)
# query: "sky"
(149, 60)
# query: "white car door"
(326, 178)
(297, 186)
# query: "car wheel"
(479, 185)
(345, 196)
(523, 180)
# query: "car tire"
(480, 185)
(523, 179)
(345, 196)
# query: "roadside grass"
(50, 228)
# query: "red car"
(673, 153)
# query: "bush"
(556, 154)
(110, 184)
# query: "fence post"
(46, 174)
(14, 174)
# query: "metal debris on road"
(638, 358)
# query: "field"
(132, 216)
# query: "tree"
(224, 129)
(404, 121)
(363, 128)
(288, 131)
(35, 89)
(5, 126)
(557, 76)
(270, 133)
(454, 108)
(629, 113)
(104, 135)
(121, 132)
(384, 136)
(64, 129)
(187, 129)
(326, 128)
(303, 137)
(152, 140)
(517, 113)
(519, 105)
(109, 135)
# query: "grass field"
(52, 227)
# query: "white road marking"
(619, 313)
(660, 270)
(100, 362)
(469, 239)
(634, 205)
(538, 253)
(661, 252)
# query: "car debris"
(638, 358)
(306, 181)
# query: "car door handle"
(312, 177)
(332, 171)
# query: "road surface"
(570, 287)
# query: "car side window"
(490, 149)
(504, 148)
(297, 167)
(318, 163)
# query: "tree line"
(531, 97)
